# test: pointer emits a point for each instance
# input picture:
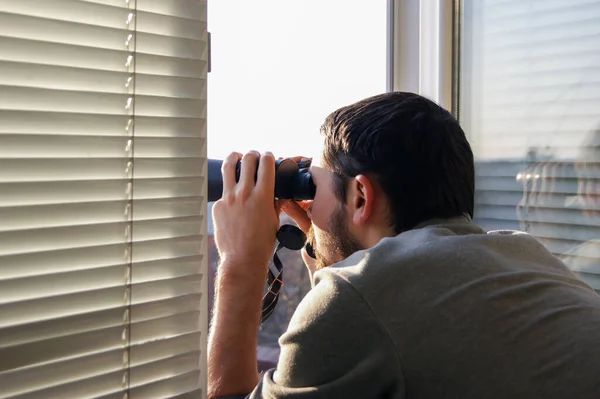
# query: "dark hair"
(416, 150)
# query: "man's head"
(389, 162)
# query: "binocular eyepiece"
(292, 180)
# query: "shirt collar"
(464, 218)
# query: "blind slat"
(40, 170)
(192, 9)
(56, 349)
(40, 193)
(98, 341)
(25, 382)
(546, 52)
(81, 323)
(518, 14)
(28, 75)
(76, 376)
(48, 285)
(162, 349)
(30, 122)
(174, 366)
(15, 242)
(101, 14)
(110, 385)
(46, 100)
(45, 309)
(34, 28)
(36, 217)
(68, 146)
(68, 55)
(167, 388)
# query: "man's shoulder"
(334, 347)
(334, 314)
(463, 244)
(434, 259)
(428, 245)
(393, 266)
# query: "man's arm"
(232, 363)
(335, 347)
(246, 223)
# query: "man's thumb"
(310, 262)
(293, 210)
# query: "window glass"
(278, 69)
(530, 104)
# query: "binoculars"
(292, 180)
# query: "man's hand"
(246, 219)
(298, 212)
(246, 223)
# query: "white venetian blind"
(531, 106)
(102, 155)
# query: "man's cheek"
(319, 219)
(323, 242)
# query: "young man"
(410, 299)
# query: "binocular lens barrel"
(292, 180)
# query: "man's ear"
(362, 199)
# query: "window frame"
(424, 40)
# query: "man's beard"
(333, 245)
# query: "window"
(278, 69)
(530, 103)
(102, 149)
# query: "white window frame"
(423, 43)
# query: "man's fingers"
(248, 170)
(305, 204)
(298, 158)
(266, 174)
(228, 172)
(293, 210)
(278, 207)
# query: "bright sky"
(279, 67)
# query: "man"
(410, 299)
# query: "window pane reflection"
(530, 103)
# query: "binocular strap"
(274, 283)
